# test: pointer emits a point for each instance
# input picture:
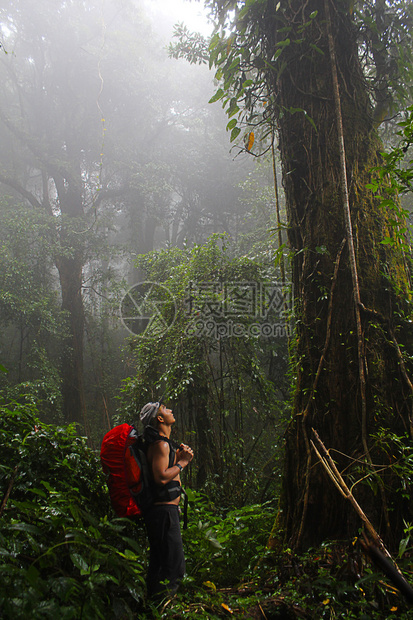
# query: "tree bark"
(70, 275)
(347, 414)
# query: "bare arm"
(159, 458)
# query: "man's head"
(154, 414)
(148, 414)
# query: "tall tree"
(53, 141)
(299, 67)
(31, 323)
(57, 88)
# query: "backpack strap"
(151, 435)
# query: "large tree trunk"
(346, 416)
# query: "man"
(166, 462)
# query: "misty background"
(110, 150)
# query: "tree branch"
(378, 550)
(21, 190)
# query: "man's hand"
(184, 454)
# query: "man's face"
(167, 415)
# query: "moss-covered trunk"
(325, 312)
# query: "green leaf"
(214, 543)
(79, 561)
(91, 569)
(234, 108)
(284, 43)
(311, 121)
(38, 492)
(317, 49)
(235, 133)
(387, 203)
(232, 124)
(48, 486)
(191, 495)
(218, 95)
(235, 63)
(25, 527)
(403, 546)
(130, 554)
(214, 41)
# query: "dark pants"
(166, 559)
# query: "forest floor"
(63, 554)
(337, 581)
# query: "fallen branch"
(334, 475)
(377, 551)
(389, 568)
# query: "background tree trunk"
(70, 275)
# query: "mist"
(229, 242)
(110, 151)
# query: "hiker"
(165, 462)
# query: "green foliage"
(405, 543)
(31, 319)
(60, 555)
(247, 51)
(192, 45)
(336, 581)
(385, 32)
(248, 57)
(222, 388)
(395, 182)
(235, 573)
(223, 548)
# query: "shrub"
(60, 554)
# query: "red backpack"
(114, 449)
(123, 458)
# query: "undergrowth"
(60, 555)
(64, 555)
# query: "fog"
(166, 13)
(110, 150)
(93, 81)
